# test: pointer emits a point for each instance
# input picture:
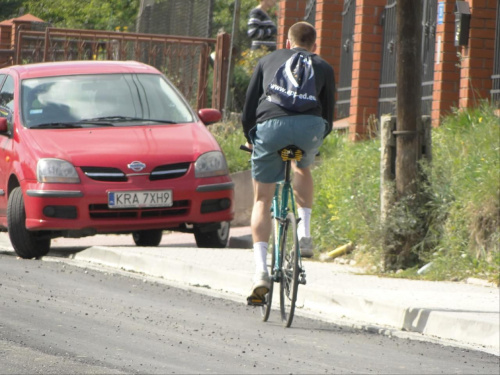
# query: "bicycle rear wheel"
(289, 270)
(265, 310)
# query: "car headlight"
(56, 171)
(211, 164)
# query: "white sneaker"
(306, 247)
(260, 287)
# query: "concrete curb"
(457, 327)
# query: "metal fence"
(388, 85)
(428, 51)
(310, 15)
(495, 78)
(177, 17)
(346, 59)
(184, 60)
(387, 97)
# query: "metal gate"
(346, 58)
(310, 12)
(387, 98)
(495, 78)
(429, 15)
(184, 60)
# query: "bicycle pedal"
(302, 280)
(252, 301)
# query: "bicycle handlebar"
(245, 148)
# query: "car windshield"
(101, 100)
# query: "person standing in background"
(261, 28)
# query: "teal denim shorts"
(268, 137)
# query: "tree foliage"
(86, 14)
(10, 9)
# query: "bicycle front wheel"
(289, 270)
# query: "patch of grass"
(464, 191)
(230, 136)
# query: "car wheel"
(26, 244)
(214, 238)
(147, 237)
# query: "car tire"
(150, 237)
(26, 244)
(216, 238)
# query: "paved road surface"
(58, 318)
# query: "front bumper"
(84, 207)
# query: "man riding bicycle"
(269, 127)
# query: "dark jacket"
(261, 30)
(258, 109)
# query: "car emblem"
(136, 166)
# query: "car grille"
(102, 211)
(163, 172)
(104, 174)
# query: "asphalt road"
(58, 317)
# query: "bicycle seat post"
(288, 154)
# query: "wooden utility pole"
(401, 239)
(409, 97)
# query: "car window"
(7, 93)
(163, 102)
(102, 96)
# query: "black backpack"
(293, 86)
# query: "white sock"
(304, 226)
(260, 256)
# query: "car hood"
(119, 146)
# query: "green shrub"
(346, 206)
(464, 192)
(230, 136)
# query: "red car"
(106, 147)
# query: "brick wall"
(290, 12)
(477, 57)
(329, 28)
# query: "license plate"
(140, 199)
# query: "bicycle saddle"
(291, 152)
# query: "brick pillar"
(290, 12)
(367, 57)
(446, 72)
(328, 25)
(477, 57)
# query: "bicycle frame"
(283, 201)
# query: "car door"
(6, 110)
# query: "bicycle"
(286, 263)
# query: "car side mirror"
(3, 125)
(209, 115)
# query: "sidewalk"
(459, 314)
